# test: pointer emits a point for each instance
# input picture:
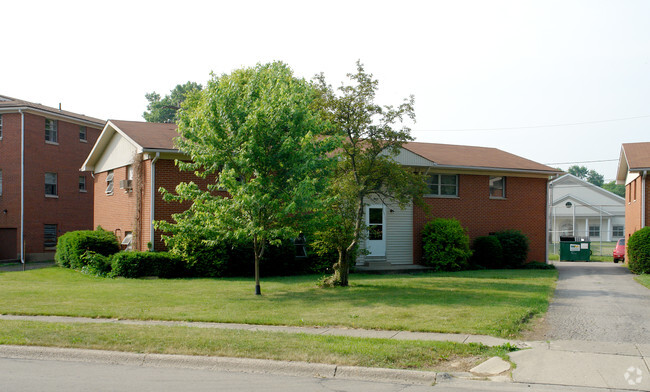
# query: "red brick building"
(129, 163)
(633, 167)
(486, 189)
(42, 192)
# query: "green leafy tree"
(579, 171)
(163, 110)
(365, 165)
(595, 178)
(591, 176)
(615, 188)
(256, 130)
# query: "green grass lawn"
(643, 279)
(421, 355)
(479, 302)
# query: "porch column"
(587, 227)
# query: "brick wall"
(71, 209)
(634, 206)
(117, 212)
(524, 208)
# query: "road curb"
(245, 365)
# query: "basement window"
(49, 237)
(109, 183)
(128, 240)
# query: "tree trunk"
(341, 270)
(258, 249)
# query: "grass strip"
(385, 353)
(643, 279)
(491, 302)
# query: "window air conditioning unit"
(126, 184)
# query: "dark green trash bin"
(575, 248)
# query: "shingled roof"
(455, 156)
(635, 157)
(150, 136)
(9, 104)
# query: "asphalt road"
(19, 375)
(598, 302)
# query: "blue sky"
(508, 68)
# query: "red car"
(619, 251)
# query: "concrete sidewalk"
(624, 366)
(334, 331)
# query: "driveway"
(598, 302)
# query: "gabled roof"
(142, 136)
(635, 157)
(9, 104)
(485, 158)
(149, 136)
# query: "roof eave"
(52, 113)
(498, 169)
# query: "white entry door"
(376, 223)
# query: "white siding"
(399, 235)
(119, 152)
(407, 158)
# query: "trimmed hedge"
(139, 264)
(488, 252)
(446, 245)
(638, 251)
(72, 245)
(515, 247)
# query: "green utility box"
(575, 248)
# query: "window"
(618, 231)
(49, 236)
(129, 172)
(442, 184)
(82, 184)
(0, 182)
(82, 133)
(51, 131)
(375, 223)
(497, 187)
(50, 184)
(594, 231)
(109, 183)
(0, 126)
(128, 240)
(300, 244)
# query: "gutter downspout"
(22, 188)
(152, 208)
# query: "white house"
(583, 209)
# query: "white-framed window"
(497, 187)
(109, 183)
(83, 133)
(82, 184)
(129, 172)
(618, 231)
(50, 184)
(594, 230)
(51, 131)
(128, 240)
(49, 236)
(445, 185)
(0, 126)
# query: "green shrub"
(515, 248)
(139, 264)
(72, 245)
(201, 259)
(446, 245)
(638, 251)
(487, 252)
(537, 266)
(96, 264)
